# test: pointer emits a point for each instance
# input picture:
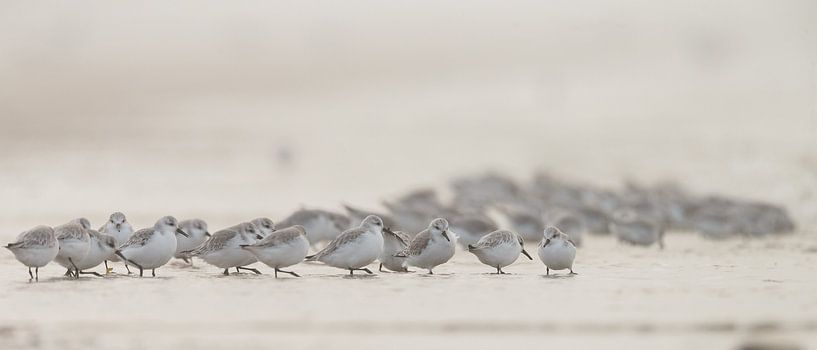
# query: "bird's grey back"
(496, 238)
(71, 230)
(37, 236)
(345, 238)
(419, 243)
(217, 241)
(280, 237)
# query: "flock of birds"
(554, 213)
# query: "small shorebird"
(120, 229)
(431, 247)
(320, 225)
(394, 242)
(100, 248)
(74, 244)
(223, 249)
(557, 251)
(630, 228)
(282, 248)
(499, 249)
(354, 248)
(35, 248)
(265, 226)
(150, 248)
(196, 230)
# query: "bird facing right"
(355, 248)
(499, 249)
(556, 250)
(431, 247)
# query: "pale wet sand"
(696, 293)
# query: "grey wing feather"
(216, 242)
(493, 239)
(138, 239)
(38, 236)
(70, 231)
(279, 237)
(344, 238)
(419, 243)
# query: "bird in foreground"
(265, 226)
(151, 248)
(355, 248)
(120, 229)
(282, 248)
(223, 249)
(630, 228)
(196, 230)
(74, 244)
(320, 225)
(431, 247)
(35, 248)
(394, 242)
(100, 248)
(556, 250)
(499, 249)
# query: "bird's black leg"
(237, 270)
(36, 273)
(249, 269)
(367, 270)
(153, 272)
(106, 266)
(430, 272)
(497, 270)
(128, 268)
(141, 271)
(30, 274)
(381, 267)
(289, 272)
(571, 272)
(547, 271)
(76, 270)
(351, 272)
(226, 272)
(90, 273)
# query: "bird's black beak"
(526, 253)
(118, 226)
(547, 241)
(445, 234)
(179, 231)
(257, 236)
(207, 234)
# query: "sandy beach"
(228, 112)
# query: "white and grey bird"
(74, 244)
(569, 223)
(151, 248)
(223, 249)
(556, 250)
(499, 249)
(197, 233)
(431, 247)
(100, 248)
(394, 242)
(355, 248)
(265, 226)
(320, 225)
(281, 249)
(120, 229)
(630, 228)
(35, 248)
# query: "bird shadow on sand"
(559, 276)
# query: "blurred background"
(228, 110)
(233, 110)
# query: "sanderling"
(196, 230)
(265, 226)
(499, 249)
(630, 228)
(556, 250)
(35, 248)
(100, 248)
(282, 248)
(223, 249)
(471, 227)
(74, 245)
(120, 229)
(569, 223)
(394, 242)
(431, 247)
(320, 225)
(150, 248)
(354, 248)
